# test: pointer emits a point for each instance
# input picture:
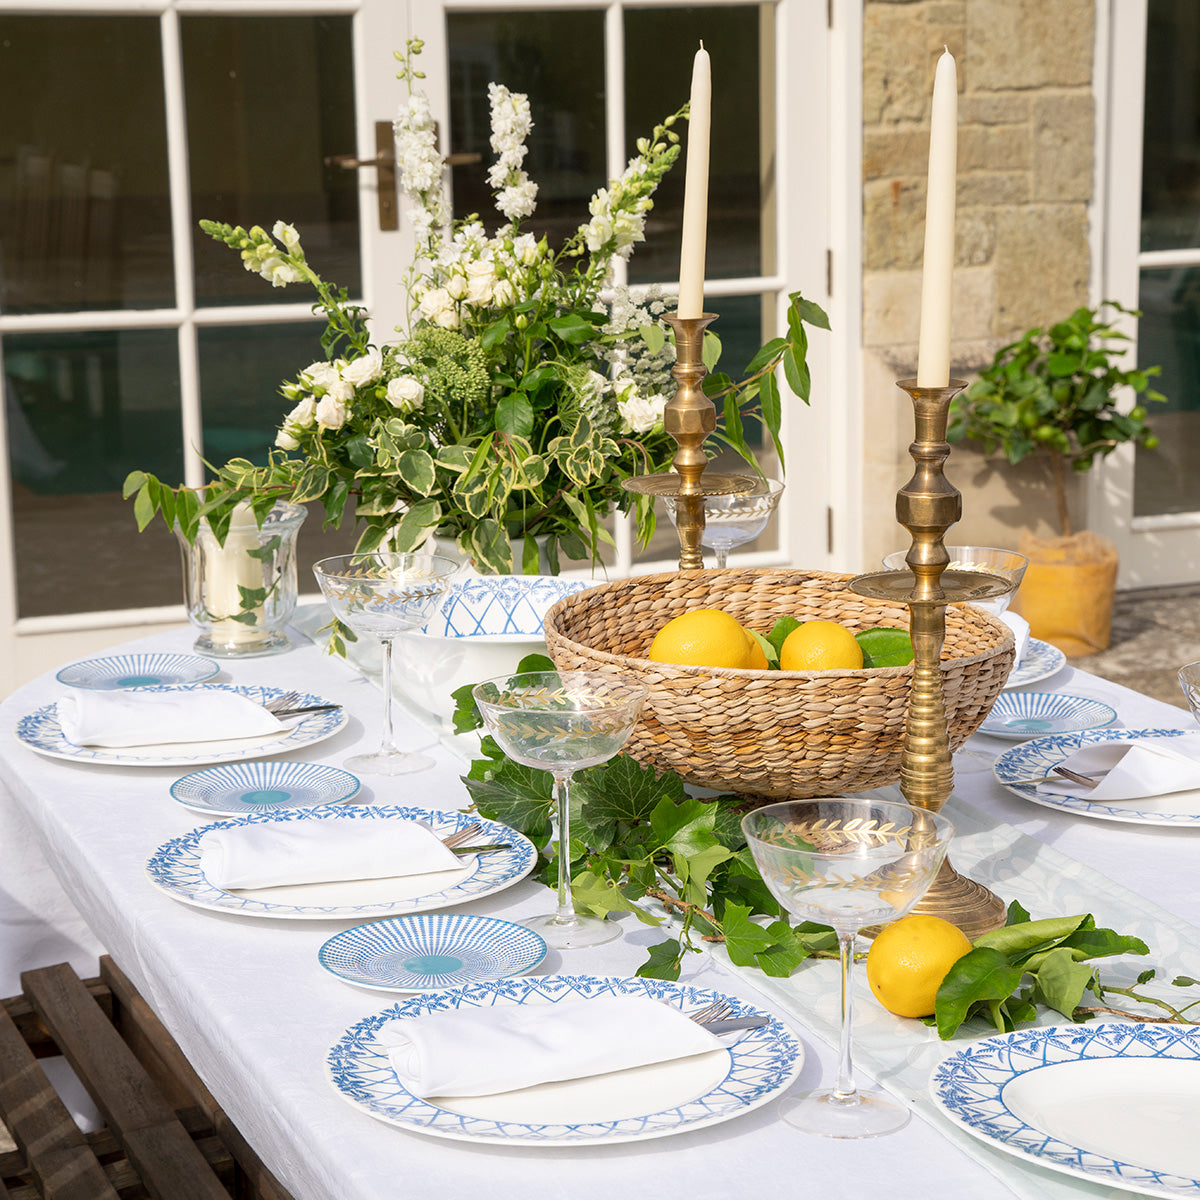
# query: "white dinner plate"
(623, 1106)
(234, 789)
(430, 952)
(1023, 767)
(176, 868)
(1040, 661)
(1114, 1104)
(1035, 714)
(138, 671)
(42, 732)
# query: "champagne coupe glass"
(987, 560)
(733, 520)
(385, 595)
(561, 721)
(848, 863)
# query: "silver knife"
(732, 1024)
(466, 851)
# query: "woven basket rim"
(563, 606)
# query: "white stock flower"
(405, 393)
(525, 249)
(364, 370)
(331, 412)
(519, 200)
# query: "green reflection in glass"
(557, 58)
(657, 83)
(82, 410)
(268, 99)
(85, 219)
(1167, 478)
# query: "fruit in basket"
(704, 637)
(908, 961)
(820, 646)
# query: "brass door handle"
(385, 163)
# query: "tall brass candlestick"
(689, 418)
(927, 506)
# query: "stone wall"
(1025, 179)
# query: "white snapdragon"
(642, 414)
(405, 393)
(331, 412)
(598, 233)
(365, 369)
(287, 234)
(278, 272)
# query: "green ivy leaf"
(664, 961)
(516, 795)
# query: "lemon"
(704, 637)
(820, 646)
(908, 961)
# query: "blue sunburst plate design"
(1023, 767)
(625, 1106)
(1040, 661)
(175, 867)
(1110, 1103)
(429, 952)
(1036, 714)
(41, 731)
(237, 788)
(138, 671)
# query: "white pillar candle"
(227, 570)
(695, 195)
(933, 354)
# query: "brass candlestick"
(927, 506)
(689, 418)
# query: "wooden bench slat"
(157, 1145)
(60, 1159)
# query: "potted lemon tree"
(1054, 395)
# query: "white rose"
(331, 412)
(405, 393)
(640, 413)
(340, 390)
(303, 414)
(364, 370)
(285, 233)
(456, 287)
(504, 294)
(320, 374)
(435, 301)
(481, 282)
(285, 441)
(447, 318)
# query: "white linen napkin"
(153, 718)
(1020, 628)
(480, 1051)
(1135, 768)
(277, 853)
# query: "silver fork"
(278, 702)
(1075, 777)
(715, 1011)
(459, 836)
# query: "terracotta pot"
(1067, 593)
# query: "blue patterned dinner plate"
(499, 605)
(1023, 767)
(1112, 1103)
(138, 671)
(1040, 661)
(237, 788)
(1034, 714)
(429, 952)
(624, 1106)
(42, 732)
(176, 868)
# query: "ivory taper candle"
(695, 195)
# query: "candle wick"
(701, 43)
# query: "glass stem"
(388, 744)
(845, 1092)
(564, 914)
(722, 556)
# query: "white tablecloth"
(255, 1013)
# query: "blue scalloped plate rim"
(1024, 766)
(969, 1088)
(126, 671)
(175, 866)
(236, 789)
(430, 952)
(763, 1063)
(1040, 661)
(1027, 715)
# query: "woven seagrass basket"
(773, 733)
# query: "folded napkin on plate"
(276, 853)
(1020, 628)
(152, 718)
(479, 1051)
(1134, 768)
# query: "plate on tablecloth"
(1040, 661)
(176, 868)
(233, 789)
(430, 952)
(42, 732)
(1035, 714)
(1113, 1104)
(138, 671)
(644, 1102)
(1023, 767)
